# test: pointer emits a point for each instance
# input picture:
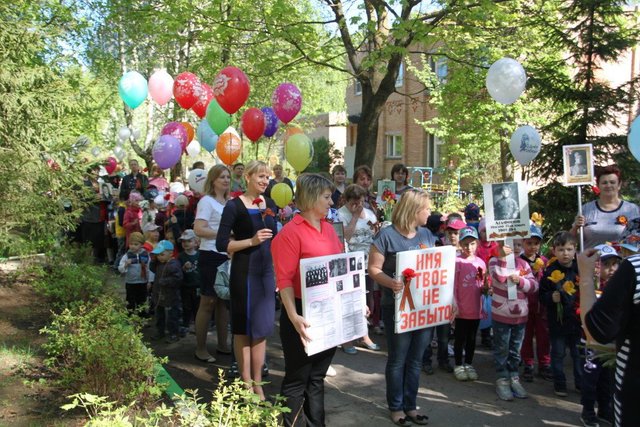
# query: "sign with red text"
(427, 297)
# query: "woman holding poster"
(307, 235)
(404, 363)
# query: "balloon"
(95, 151)
(252, 123)
(161, 87)
(197, 178)
(218, 119)
(286, 102)
(190, 131)
(124, 133)
(184, 89)
(193, 149)
(178, 131)
(204, 94)
(133, 88)
(525, 144)
(282, 194)
(176, 188)
(289, 132)
(167, 151)
(120, 153)
(111, 165)
(633, 139)
(136, 134)
(228, 148)
(506, 80)
(207, 137)
(270, 121)
(231, 89)
(299, 151)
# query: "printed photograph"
(505, 201)
(337, 267)
(316, 275)
(578, 164)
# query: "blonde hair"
(404, 214)
(309, 188)
(213, 174)
(256, 166)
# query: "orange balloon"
(290, 131)
(190, 131)
(229, 148)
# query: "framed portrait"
(578, 164)
(506, 210)
(385, 185)
(339, 227)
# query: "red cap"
(456, 224)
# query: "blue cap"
(163, 245)
(468, 232)
(535, 231)
(607, 251)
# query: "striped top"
(503, 310)
(616, 315)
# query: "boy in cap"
(166, 290)
(191, 284)
(181, 219)
(134, 265)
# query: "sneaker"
(460, 373)
(428, 369)
(517, 389)
(351, 350)
(546, 373)
(503, 389)
(589, 419)
(446, 366)
(471, 372)
(233, 370)
(560, 391)
(527, 374)
(331, 372)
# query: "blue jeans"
(404, 362)
(507, 341)
(442, 333)
(559, 343)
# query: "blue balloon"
(633, 139)
(167, 151)
(133, 89)
(207, 137)
(270, 121)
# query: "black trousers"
(303, 383)
(465, 338)
(190, 303)
(136, 295)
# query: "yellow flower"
(556, 276)
(569, 287)
(538, 264)
(537, 219)
(551, 260)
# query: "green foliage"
(97, 349)
(232, 405)
(324, 155)
(554, 202)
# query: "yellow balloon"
(299, 151)
(282, 194)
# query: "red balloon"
(186, 88)
(205, 94)
(253, 123)
(111, 165)
(231, 89)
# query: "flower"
(621, 220)
(569, 287)
(408, 274)
(595, 190)
(537, 219)
(257, 201)
(235, 194)
(267, 212)
(537, 265)
(423, 246)
(556, 276)
(523, 272)
(167, 196)
(551, 261)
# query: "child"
(485, 251)
(509, 311)
(472, 215)
(121, 234)
(189, 291)
(151, 234)
(559, 294)
(596, 380)
(132, 215)
(467, 295)
(166, 290)
(134, 265)
(162, 202)
(537, 322)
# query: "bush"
(99, 350)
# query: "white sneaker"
(331, 372)
(517, 389)
(460, 373)
(503, 389)
(471, 372)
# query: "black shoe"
(560, 390)
(527, 374)
(446, 366)
(606, 417)
(589, 419)
(546, 373)
(428, 369)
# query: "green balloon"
(299, 151)
(218, 119)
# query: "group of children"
(533, 300)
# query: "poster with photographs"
(506, 206)
(578, 164)
(385, 185)
(333, 299)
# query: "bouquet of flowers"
(389, 202)
(566, 286)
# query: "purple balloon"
(270, 121)
(178, 131)
(167, 151)
(286, 102)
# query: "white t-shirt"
(363, 234)
(210, 210)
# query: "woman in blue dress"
(251, 219)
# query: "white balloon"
(197, 178)
(124, 133)
(136, 134)
(193, 149)
(120, 153)
(525, 144)
(176, 187)
(95, 151)
(506, 80)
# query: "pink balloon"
(111, 165)
(161, 87)
(177, 130)
(286, 102)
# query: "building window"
(357, 86)
(394, 146)
(400, 78)
(433, 151)
(440, 68)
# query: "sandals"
(402, 421)
(418, 419)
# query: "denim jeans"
(442, 333)
(168, 317)
(507, 341)
(559, 343)
(404, 362)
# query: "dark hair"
(399, 167)
(362, 169)
(562, 238)
(198, 165)
(608, 170)
(354, 192)
(338, 168)
(237, 164)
